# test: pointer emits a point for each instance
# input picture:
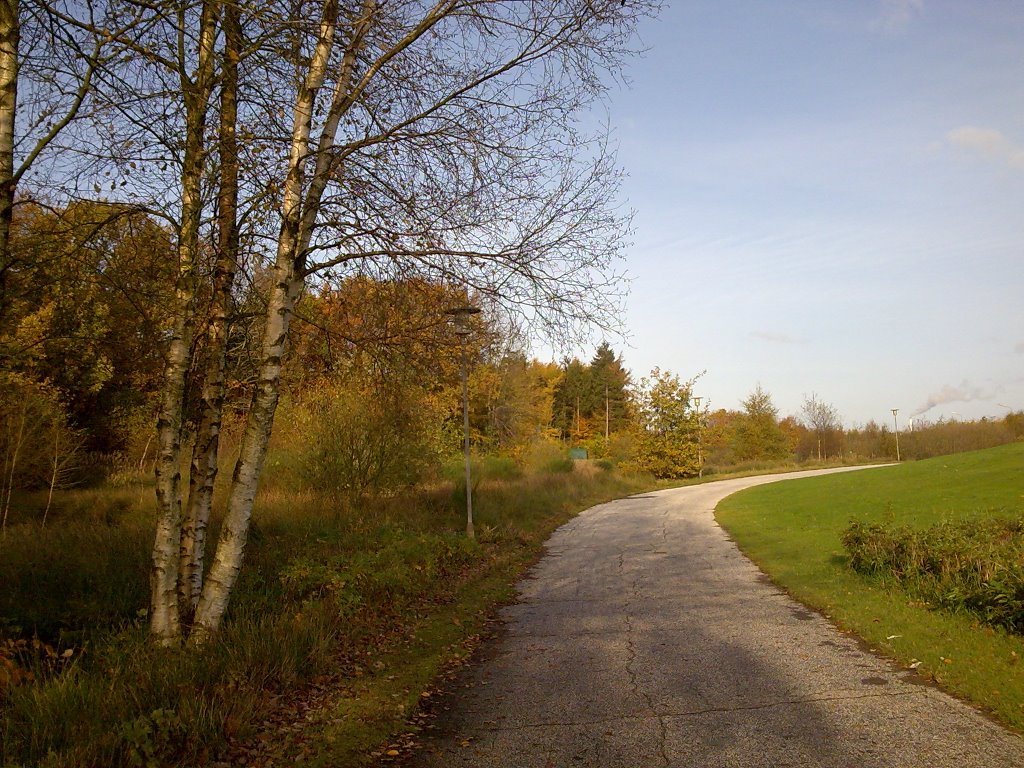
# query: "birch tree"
(196, 81)
(205, 454)
(444, 139)
(823, 420)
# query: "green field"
(792, 531)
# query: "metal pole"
(465, 429)
(461, 316)
(897, 427)
(700, 447)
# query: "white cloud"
(896, 14)
(988, 143)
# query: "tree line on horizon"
(371, 381)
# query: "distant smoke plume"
(949, 394)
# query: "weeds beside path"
(343, 618)
(341, 621)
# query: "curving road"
(644, 638)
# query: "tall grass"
(975, 566)
(327, 582)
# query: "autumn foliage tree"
(757, 433)
(372, 376)
(83, 310)
(667, 426)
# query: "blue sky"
(829, 198)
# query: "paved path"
(644, 638)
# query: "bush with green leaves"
(975, 566)
(667, 438)
(356, 439)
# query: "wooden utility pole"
(607, 414)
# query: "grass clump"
(975, 566)
(63, 583)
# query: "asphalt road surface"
(644, 638)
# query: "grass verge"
(341, 619)
(793, 532)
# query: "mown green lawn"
(792, 531)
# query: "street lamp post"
(897, 426)
(700, 447)
(461, 317)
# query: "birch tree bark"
(197, 88)
(288, 281)
(9, 37)
(205, 453)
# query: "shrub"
(37, 447)
(975, 566)
(352, 440)
(548, 457)
(81, 578)
(500, 468)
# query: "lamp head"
(460, 318)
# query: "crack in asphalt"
(692, 655)
(635, 682)
(662, 716)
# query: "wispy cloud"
(949, 394)
(894, 15)
(987, 143)
(775, 338)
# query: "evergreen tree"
(590, 397)
(608, 397)
(571, 395)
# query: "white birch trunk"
(205, 454)
(9, 38)
(235, 530)
(164, 617)
(288, 283)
